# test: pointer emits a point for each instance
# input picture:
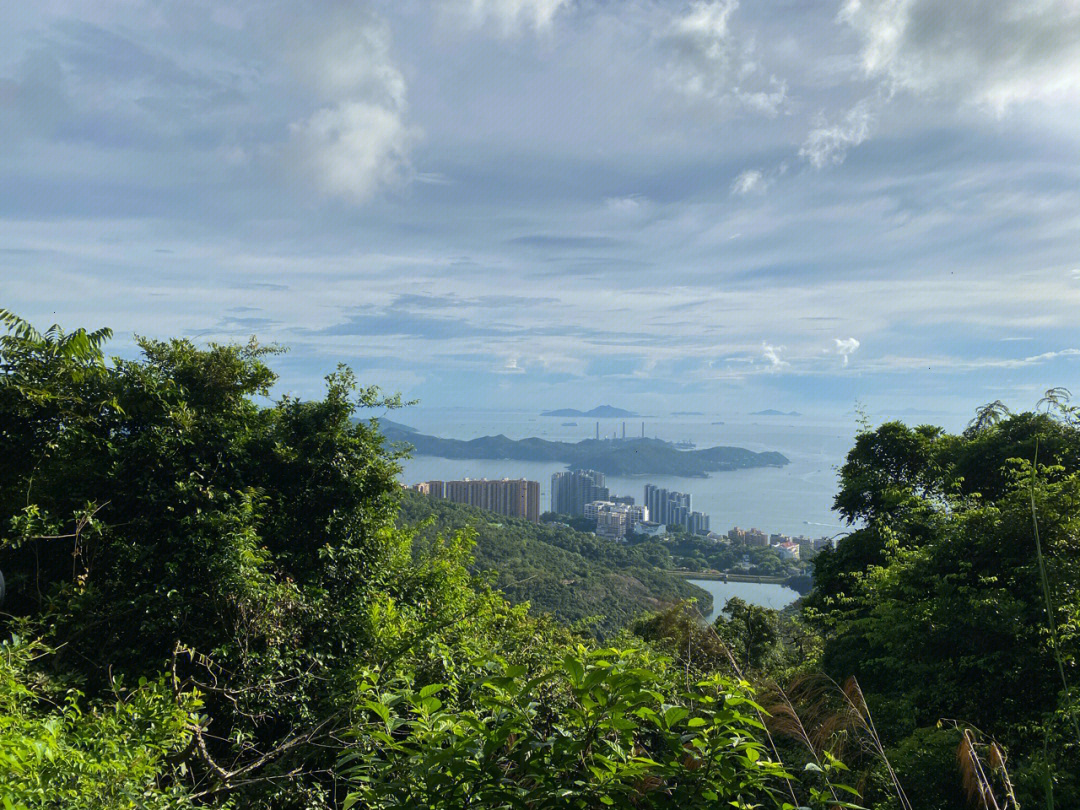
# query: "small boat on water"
(569, 424)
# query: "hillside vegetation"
(210, 604)
(573, 575)
(957, 600)
(216, 599)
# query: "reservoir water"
(756, 593)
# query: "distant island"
(599, 412)
(387, 424)
(774, 412)
(610, 456)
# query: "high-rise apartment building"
(698, 523)
(511, 497)
(570, 491)
(672, 508)
(434, 489)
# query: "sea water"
(763, 594)
(794, 499)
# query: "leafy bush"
(59, 751)
(598, 728)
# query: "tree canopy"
(936, 600)
(218, 597)
(212, 602)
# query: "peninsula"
(610, 456)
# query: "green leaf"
(574, 669)
(674, 715)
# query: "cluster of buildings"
(513, 497)
(675, 509)
(615, 520)
(572, 491)
(585, 493)
(791, 548)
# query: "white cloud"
(749, 181)
(756, 181)
(706, 61)
(987, 52)
(512, 16)
(355, 149)
(945, 363)
(512, 366)
(828, 143)
(633, 204)
(845, 347)
(351, 58)
(634, 210)
(359, 142)
(772, 354)
(768, 101)
(1042, 358)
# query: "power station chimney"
(598, 430)
(643, 430)
(624, 430)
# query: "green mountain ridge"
(614, 457)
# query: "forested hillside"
(215, 599)
(957, 601)
(210, 604)
(570, 574)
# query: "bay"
(756, 593)
(795, 499)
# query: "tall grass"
(830, 719)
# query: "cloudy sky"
(706, 205)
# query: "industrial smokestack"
(624, 430)
(598, 430)
(643, 430)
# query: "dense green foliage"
(219, 599)
(936, 602)
(614, 457)
(573, 575)
(606, 727)
(59, 751)
(698, 554)
(164, 524)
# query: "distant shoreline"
(729, 576)
(626, 457)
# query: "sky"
(524, 204)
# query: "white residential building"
(615, 520)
